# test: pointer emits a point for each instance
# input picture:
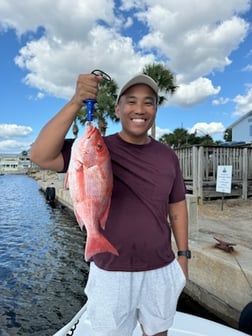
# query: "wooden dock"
(199, 166)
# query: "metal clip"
(104, 75)
(91, 102)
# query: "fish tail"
(98, 244)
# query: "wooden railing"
(199, 166)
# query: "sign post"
(224, 181)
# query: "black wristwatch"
(185, 253)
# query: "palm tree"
(104, 108)
(165, 81)
(178, 138)
(24, 153)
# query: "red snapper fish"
(90, 181)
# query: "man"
(144, 282)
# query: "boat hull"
(184, 324)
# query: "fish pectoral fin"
(98, 244)
(104, 216)
(66, 180)
(79, 220)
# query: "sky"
(45, 45)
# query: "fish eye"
(99, 146)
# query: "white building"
(242, 129)
(14, 164)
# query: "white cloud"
(243, 103)
(220, 101)
(198, 39)
(37, 96)
(40, 95)
(53, 67)
(63, 21)
(14, 146)
(14, 138)
(128, 5)
(193, 93)
(211, 128)
(194, 38)
(11, 130)
(247, 68)
(160, 131)
(128, 22)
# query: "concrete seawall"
(219, 281)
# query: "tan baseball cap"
(139, 79)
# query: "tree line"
(180, 137)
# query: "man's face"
(136, 109)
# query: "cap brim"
(139, 79)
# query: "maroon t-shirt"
(146, 179)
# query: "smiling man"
(136, 107)
(144, 282)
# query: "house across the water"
(14, 164)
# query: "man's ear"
(117, 111)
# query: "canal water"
(42, 270)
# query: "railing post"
(245, 174)
(200, 174)
(195, 170)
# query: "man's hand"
(86, 88)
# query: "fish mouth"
(90, 131)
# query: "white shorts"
(117, 300)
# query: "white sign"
(224, 179)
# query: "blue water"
(42, 271)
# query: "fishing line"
(244, 274)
